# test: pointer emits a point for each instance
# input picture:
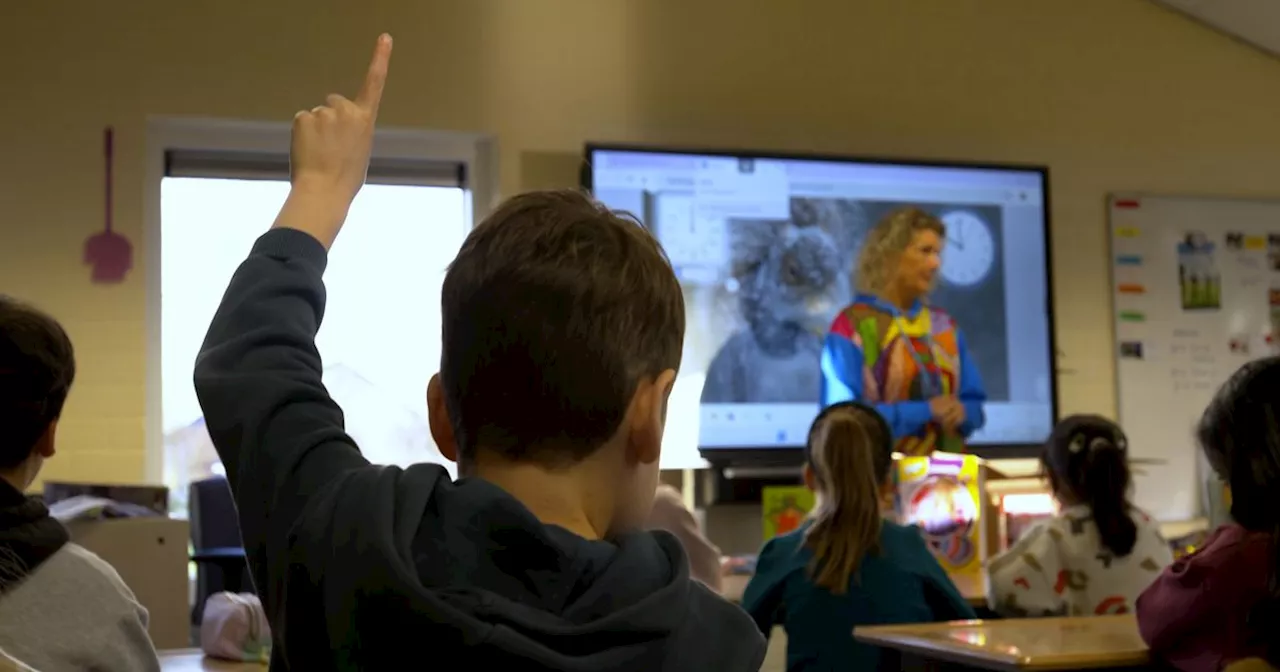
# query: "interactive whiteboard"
(1196, 285)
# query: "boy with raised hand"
(563, 326)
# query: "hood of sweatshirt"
(393, 565)
(28, 535)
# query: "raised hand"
(329, 154)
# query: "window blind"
(266, 166)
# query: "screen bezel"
(785, 455)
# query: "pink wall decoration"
(108, 253)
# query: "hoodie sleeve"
(972, 393)
(113, 624)
(130, 648)
(1183, 598)
(763, 597)
(258, 378)
(1023, 581)
(843, 367)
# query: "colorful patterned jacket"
(865, 358)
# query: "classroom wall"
(1112, 94)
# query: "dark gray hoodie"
(363, 567)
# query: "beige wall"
(1112, 94)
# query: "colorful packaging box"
(942, 494)
(785, 508)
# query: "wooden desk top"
(1074, 643)
(194, 660)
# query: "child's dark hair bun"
(1087, 461)
(1077, 436)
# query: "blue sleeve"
(762, 598)
(842, 381)
(945, 601)
(972, 393)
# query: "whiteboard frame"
(1203, 471)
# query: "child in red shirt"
(1221, 604)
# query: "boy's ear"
(438, 418)
(648, 417)
(810, 481)
(46, 447)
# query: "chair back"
(213, 514)
(214, 524)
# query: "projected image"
(788, 278)
(766, 251)
(783, 282)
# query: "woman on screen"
(893, 350)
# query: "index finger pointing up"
(371, 93)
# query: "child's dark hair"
(1087, 462)
(37, 367)
(850, 451)
(554, 310)
(1240, 436)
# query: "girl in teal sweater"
(847, 566)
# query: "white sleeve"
(1023, 580)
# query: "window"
(380, 340)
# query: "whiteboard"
(1196, 293)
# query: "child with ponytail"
(1222, 603)
(847, 566)
(1099, 553)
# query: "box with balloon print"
(942, 495)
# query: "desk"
(194, 660)
(1073, 643)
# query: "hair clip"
(1105, 443)
(1077, 443)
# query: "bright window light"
(1030, 504)
(380, 340)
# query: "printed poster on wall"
(1198, 276)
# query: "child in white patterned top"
(1100, 552)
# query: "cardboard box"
(150, 554)
(944, 494)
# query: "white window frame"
(476, 152)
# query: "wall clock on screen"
(970, 249)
